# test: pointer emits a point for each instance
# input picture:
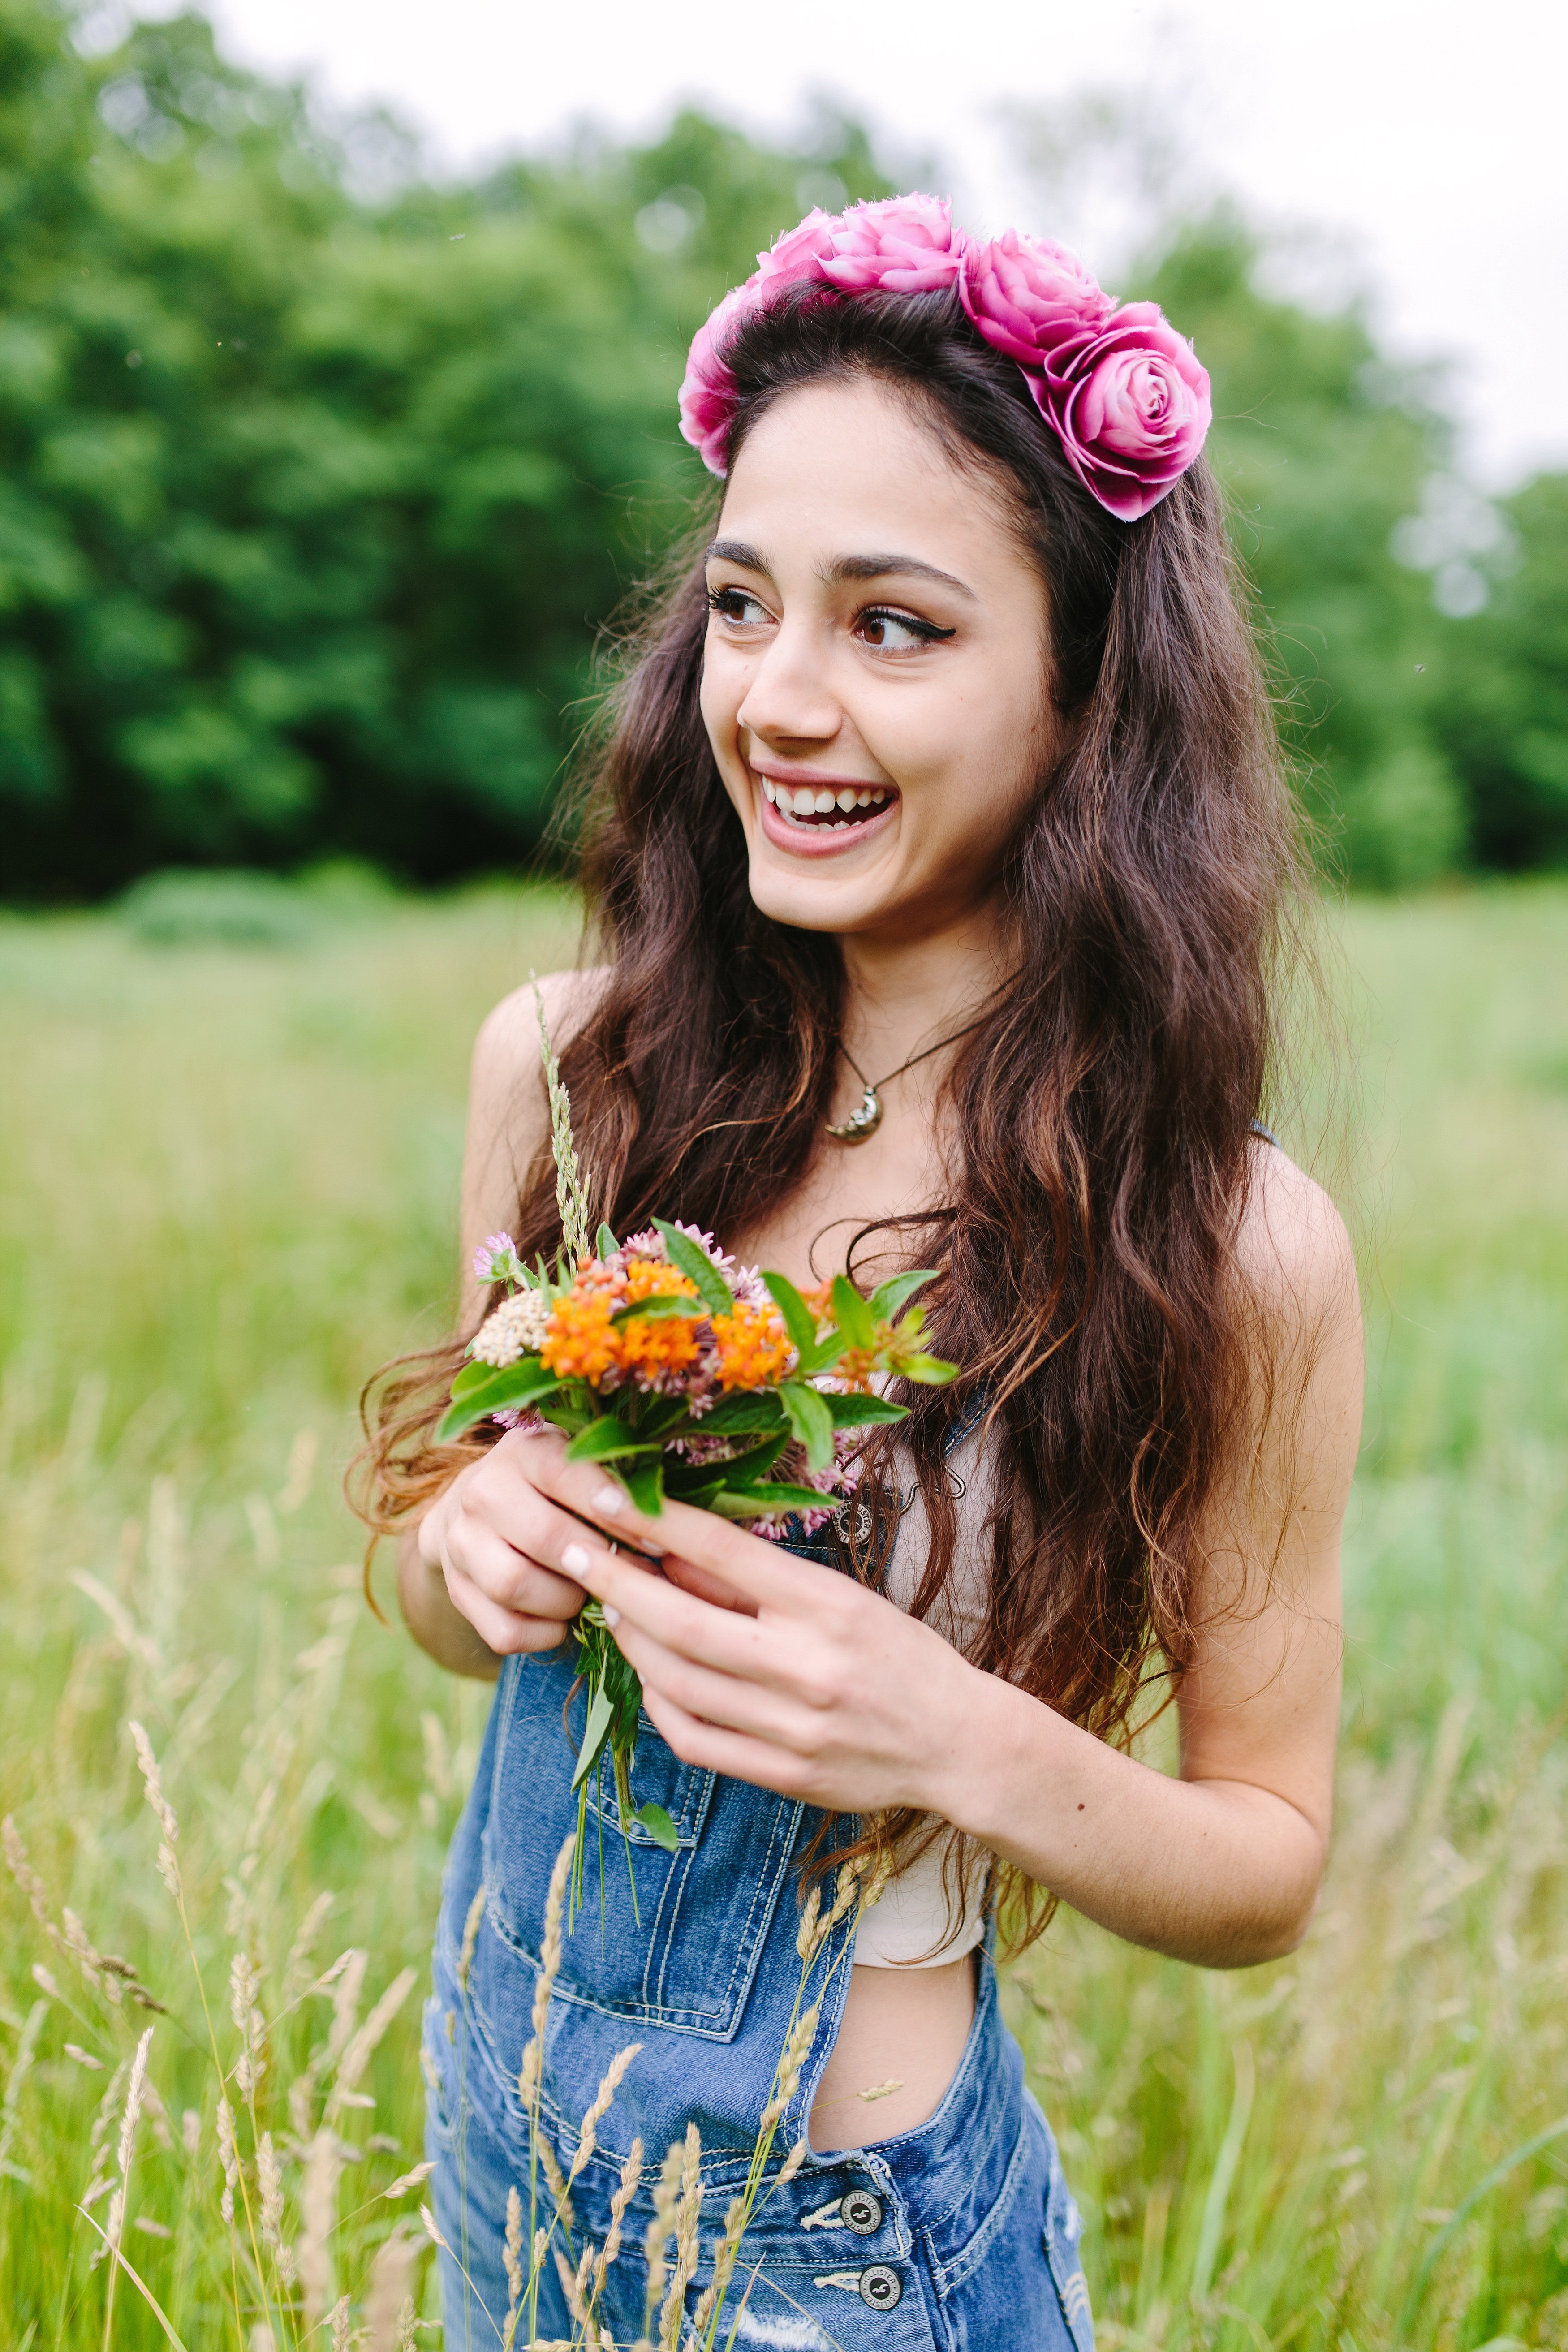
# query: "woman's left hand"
(767, 1668)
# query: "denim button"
(862, 2212)
(880, 2287)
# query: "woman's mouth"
(821, 818)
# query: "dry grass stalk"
(388, 2291)
(796, 2050)
(557, 2180)
(357, 2055)
(613, 2077)
(168, 1865)
(21, 2066)
(319, 2219)
(631, 2173)
(512, 2260)
(661, 2227)
(229, 2156)
(471, 1935)
(688, 2216)
(114, 2227)
(725, 2258)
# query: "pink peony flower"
(1027, 296)
(799, 254)
(905, 245)
(707, 395)
(1120, 388)
(1131, 405)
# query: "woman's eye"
(740, 610)
(897, 633)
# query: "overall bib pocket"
(685, 1955)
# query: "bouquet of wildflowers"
(686, 1376)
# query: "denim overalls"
(961, 2235)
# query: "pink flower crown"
(1121, 390)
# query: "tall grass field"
(229, 1165)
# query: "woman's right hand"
(482, 1535)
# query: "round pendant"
(862, 1122)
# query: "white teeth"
(804, 800)
(862, 799)
(845, 797)
(768, 792)
(826, 800)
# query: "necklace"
(869, 1118)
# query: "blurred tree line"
(318, 483)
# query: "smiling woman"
(949, 758)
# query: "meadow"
(227, 1183)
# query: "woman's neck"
(902, 994)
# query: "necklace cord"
(875, 1085)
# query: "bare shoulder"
(1293, 1253)
(508, 1119)
(507, 1047)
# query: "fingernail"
(612, 1617)
(574, 1559)
(609, 1504)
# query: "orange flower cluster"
(582, 1344)
(579, 1343)
(671, 1344)
(753, 1347)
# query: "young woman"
(940, 860)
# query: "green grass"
(227, 1187)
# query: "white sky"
(1426, 135)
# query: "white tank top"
(913, 1924)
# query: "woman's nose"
(788, 698)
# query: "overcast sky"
(1426, 136)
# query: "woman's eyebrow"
(736, 551)
(840, 568)
(880, 567)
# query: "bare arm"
(508, 1126)
(813, 1686)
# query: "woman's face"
(875, 679)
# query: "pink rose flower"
(799, 253)
(707, 396)
(1131, 405)
(1028, 297)
(905, 245)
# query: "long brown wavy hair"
(1105, 1104)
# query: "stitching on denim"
(947, 2275)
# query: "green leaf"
(658, 1825)
(932, 1371)
(820, 1359)
(605, 1243)
(860, 1411)
(798, 1319)
(888, 1297)
(773, 1495)
(658, 1309)
(516, 1385)
(853, 1313)
(811, 1420)
(741, 1412)
(644, 1482)
(685, 1254)
(595, 1732)
(606, 1438)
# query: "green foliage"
(1324, 449)
(312, 506)
(1503, 694)
(314, 501)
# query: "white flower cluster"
(515, 1330)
